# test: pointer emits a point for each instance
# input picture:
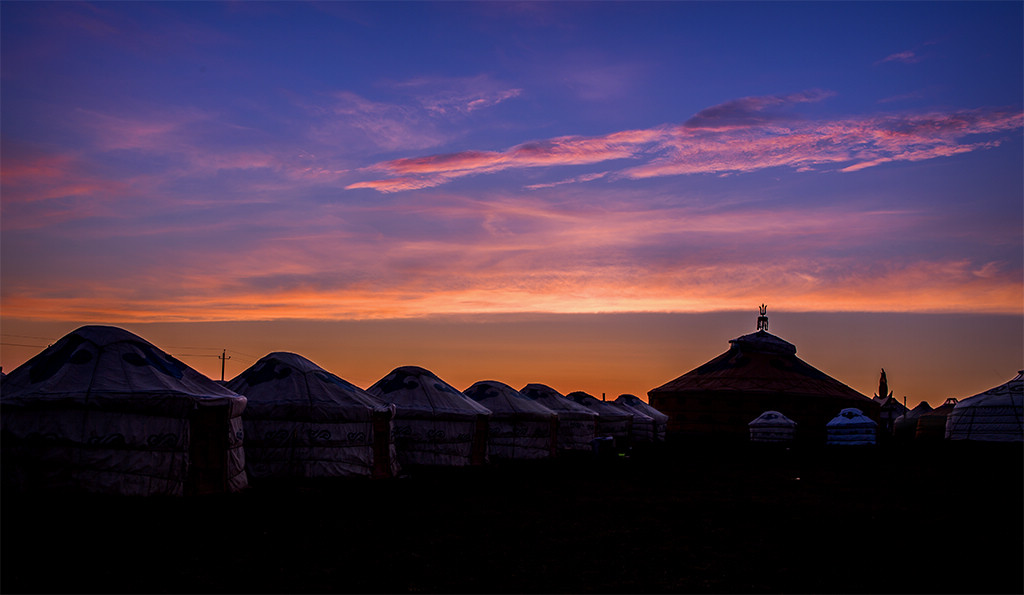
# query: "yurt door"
(208, 449)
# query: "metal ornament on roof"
(762, 320)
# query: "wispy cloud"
(906, 57)
(742, 135)
(447, 96)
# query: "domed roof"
(760, 362)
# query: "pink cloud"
(744, 135)
(906, 56)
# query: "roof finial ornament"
(762, 320)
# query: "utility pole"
(223, 357)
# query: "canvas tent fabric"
(772, 427)
(760, 372)
(304, 422)
(851, 427)
(659, 420)
(435, 423)
(519, 428)
(931, 426)
(577, 425)
(612, 421)
(996, 415)
(105, 411)
(905, 426)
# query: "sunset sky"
(595, 196)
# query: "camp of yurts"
(304, 422)
(519, 428)
(435, 424)
(772, 427)
(852, 428)
(577, 425)
(760, 372)
(102, 410)
(996, 415)
(659, 420)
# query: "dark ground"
(948, 518)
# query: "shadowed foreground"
(689, 518)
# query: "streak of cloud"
(743, 135)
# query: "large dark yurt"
(104, 411)
(759, 372)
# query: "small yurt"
(105, 411)
(659, 419)
(435, 424)
(905, 426)
(612, 422)
(577, 425)
(996, 415)
(643, 426)
(519, 428)
(931, 426)
(304, 422)
(772, 427)
(851, 427)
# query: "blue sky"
(252, 161)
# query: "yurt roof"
(772, 418)
(556, 401)
(412, 388)
(502, 398)
(603, 408)
(108, 367)
(760, 362)
(1010, 393)
(851, 416)
(637, 404)
(287, 386)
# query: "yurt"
(643, 428)
(760, 372)
(772, 427)
(435, 424)
(931, 426)
(851, 427)
(105, 411)
(304, 422)
(612, 421)
(996, 415)
(577, 425)
(905, 426)
(519, 428)
(660, 420)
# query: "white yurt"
(105, 411)
(612, 421)
(305, 422)
(996, 415)
(772, 427)
(577, 425)
(659, 419)
(643, 427)
(435, 424)
(519, 428)
(851, 427)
